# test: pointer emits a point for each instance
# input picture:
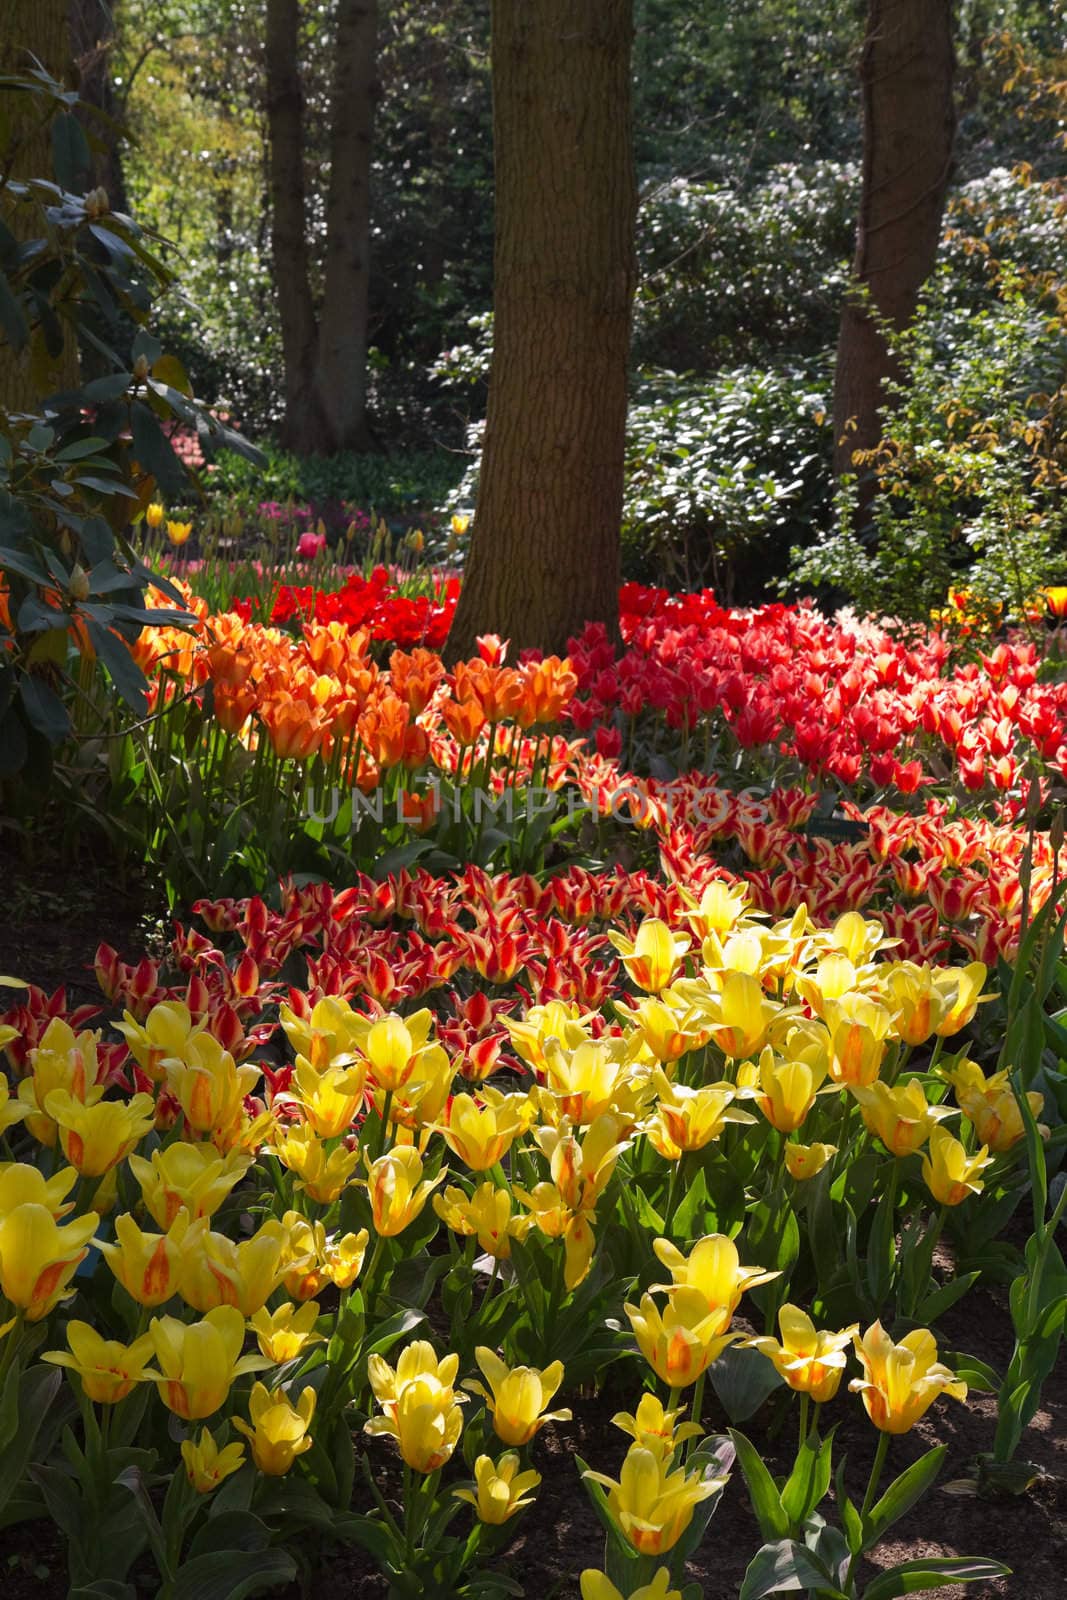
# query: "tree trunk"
(906, 75)
(544, 555)
(93, 28)
(30, 28)
(341, 379)
(303, 425)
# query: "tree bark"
(31, 28)
(285, 122)
(324, 349)
(93, 27)
(341, 379)
(906, 74)
(544, 554)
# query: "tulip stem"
(868, 1501)
(805, 1401)
(698, 1406)
(387, 1106)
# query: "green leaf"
(71, 158)
(232, 1530)
(809, 1479)
(44, 709)
(903, 1493)
(13, 746)
(742, 1379)
(125, 674)
(168, 369)
(939, 1300)
(102, 390)
(230, 1575)
(912, 1577)
(783, 1566)
(766, 1501)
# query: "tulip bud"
(79, 583)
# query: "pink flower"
(309, 545)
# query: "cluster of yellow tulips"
(252, 1223)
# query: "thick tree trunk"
(544, 556)
(30, 28)
(906, 74)
(93, 26)
(341, 379)
(302, 429)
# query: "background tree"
(544, 555)
(32, 29)
(325, 344)
(906, 76)
(93, 35)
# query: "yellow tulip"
(651, 958)
(330, 1036)
(323, 1176)
(283, 1334)
(989, 1104)
(195, 1176)
(949, 1172)
(739, 1015)
(556, 1219)
(857, 937)
(486, 1215)
(96, 1138)
(155, 514)
(901, 1381)
(651, 1506)
(805, 1160)
(810, 1361)
(227, 1272)
(38, 1258)
(209, 1085)
(588, 1081)
(330, 1098)
(108, 1370)
(720, 908)
(21, 1184)
(11, 1111)
(62, 1060)
(397, 1190)
(712, 1268)
(200, 1361)
(654, 1428)
(968, 983)
(858, 1028)
(479, 1134)
(314, 1258)
(598, 1586)
(567, 1024)
(392, 1045)
(500, 1488)
(149, 1265)
(681, 1341)
(899, 1116)
(165, 1034)
(421, 1409)
(178, 532)
(423, 1098)
(788, 1091)
(667, 1026)
(279, 1430)
(688, 1119)
(517, 1397)
(581, 1170)
(206, 1465)
(918, 1002)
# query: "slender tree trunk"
(341, 379)
(906, 75)
(30, 28)
(303, 426)
(93, 28)
(544, 556)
